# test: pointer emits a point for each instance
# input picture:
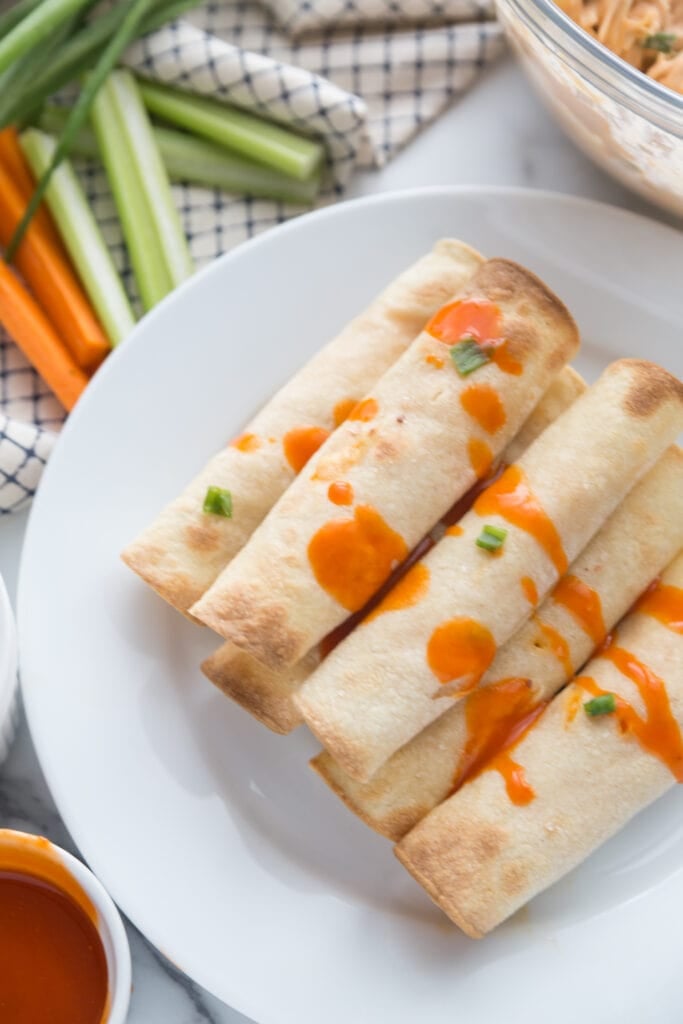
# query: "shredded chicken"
(646, 33)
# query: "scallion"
(605, 704)
(468, 355)
(258, 140)
(82, 236)
(218, 502)
(491, 538)
(37, 26)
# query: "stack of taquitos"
(636, 543)
(183, 551)
(484, 853)
(268, 693)
(403, 669)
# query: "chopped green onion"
(126, 31)
(218, 502)
(468, 355)
(258, 140)
(38, 25)
(81, 235)
(199, 162)
(663, 42)
(605, 704)
(151, 225)
(491, 538)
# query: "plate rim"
(218, 266)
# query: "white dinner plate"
(211, 833)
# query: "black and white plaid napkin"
(365, 75)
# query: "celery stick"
(151, 273)
(35, 27)
(200, 162)
(82, 236)
(261, 141)
(108, 58)
(154, 181)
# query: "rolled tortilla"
(403, 668)
(481, 856)
(637, 541)
(267, 693)
(184, 549)
(394, 468)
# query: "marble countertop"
(498, 134)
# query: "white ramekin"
(9, 690)
(109, 924)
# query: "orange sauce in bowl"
(53, 968)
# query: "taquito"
(432, 643)
(605, 748)
(184, 549)
(433, 425)
(267, 693)
(638, 540)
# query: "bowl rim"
(109, 922)
(653, 89)
(9, 680)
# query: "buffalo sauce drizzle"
(300, 443)
(530, 590)
(246, 442)
(458, 652)
(556, 644)
(52, 960)
(583, 603)
(511, 498)
(352, 558)
(483, 404)
(340, 493)
(657, 732)
(664, 603)
(481, 457)
(478, 320)
(342, 409)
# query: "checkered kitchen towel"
(363, 74)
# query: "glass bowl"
(629, 124)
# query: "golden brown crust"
(393, 825)
(652, 386)
(178, 590)
(262, 629)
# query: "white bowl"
(43, 853)
(9, 690)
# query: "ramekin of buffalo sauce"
(64, 955)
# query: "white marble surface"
(498, 134)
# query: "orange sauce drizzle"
(511, 497)
(246, 442)
(454, 531)
(365, 410)
(351, 558)
(342, 409)
(481, 457)
(584, 604)
(517, 786)
(340, 493)
(572, 705)
(664, 603)
(408, 592)
(658, 732)
(479, 320)
(491, 715)
(459, 651)
(301, 443)
(434, 361)
(558, 646)
(530, 590)
(482, 402)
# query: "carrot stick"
(15, 163)
(52, 281)
(28, 326)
